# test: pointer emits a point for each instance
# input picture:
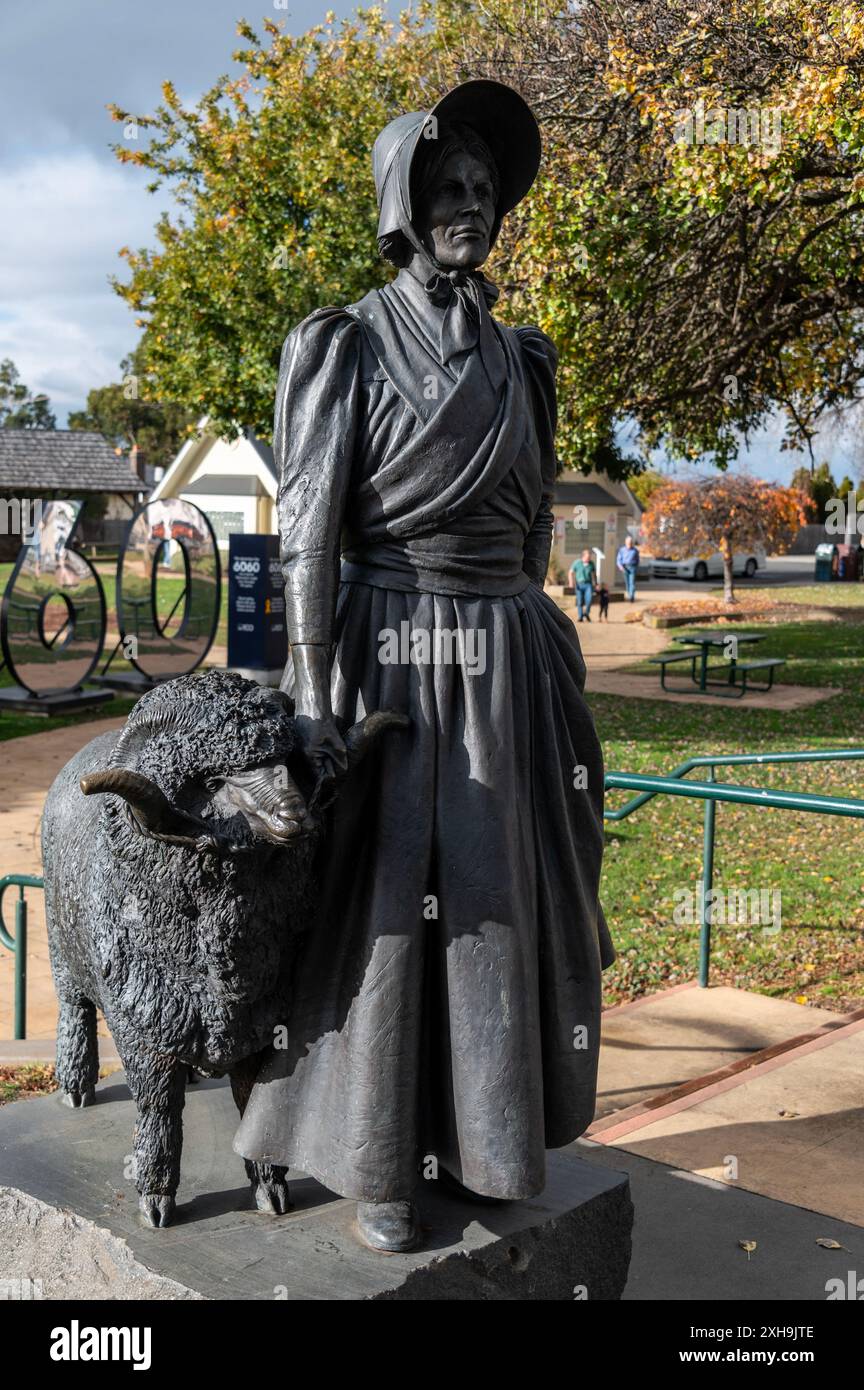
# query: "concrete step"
(776, 1110)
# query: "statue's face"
(457, 212)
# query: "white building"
(595, 513)
(232, 481)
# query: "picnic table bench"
(768, 664)
(668, 658)
(730, 686)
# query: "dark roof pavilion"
(72, 461)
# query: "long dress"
(447, 999)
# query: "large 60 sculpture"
(53, 619)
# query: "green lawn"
(14, 725)
(816, 862)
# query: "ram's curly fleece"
(205, 726)
(188, 952)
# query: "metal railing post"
(21, 965)
(18, 944)
(706, 907)
(711, 791)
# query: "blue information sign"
(257, 639)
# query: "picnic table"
(703, 644)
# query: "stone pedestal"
(69, 1219)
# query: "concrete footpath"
(734, 1087)
(686, 1235)
(738, 1119)
(602, 680)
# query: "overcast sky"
(69, 205)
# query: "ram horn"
(361, 736)
(150, 806)
(358, 741)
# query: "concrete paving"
(622, 640)
(657, 1043)
(731, 1086)
(791, 1128)
(605, 681)
(686, 1233)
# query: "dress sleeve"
(541, 361)
(313, 446)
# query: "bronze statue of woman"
(446, 1008)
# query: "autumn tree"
(728, 513)
(276, 215)
(694, 242)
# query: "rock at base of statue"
(69, 1222)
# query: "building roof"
(586, 495)
(225, 485)
(255, 460)
(34, 461)
(264, 452)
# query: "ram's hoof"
(156, 1210)
(272, 1197)
(76, 1100)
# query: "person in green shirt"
(584, 581)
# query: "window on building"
(224, 523)
(576, 538)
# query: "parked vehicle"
(746, 562)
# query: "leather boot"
(388, 1226)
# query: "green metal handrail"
(712, 791)
(18, 942)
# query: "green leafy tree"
(20, 409)
(819, 486)
(644, 485)
(125, 416)
(692, 245)
(276, 205)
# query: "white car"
(746, 562)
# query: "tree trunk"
(728, 577)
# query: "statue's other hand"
(324, 749)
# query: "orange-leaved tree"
(729, 513)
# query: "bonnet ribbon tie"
(466, 300)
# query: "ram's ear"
(151, 808)
(360, 738)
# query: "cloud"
(63, 62)
(68, 206)
(62, 324)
